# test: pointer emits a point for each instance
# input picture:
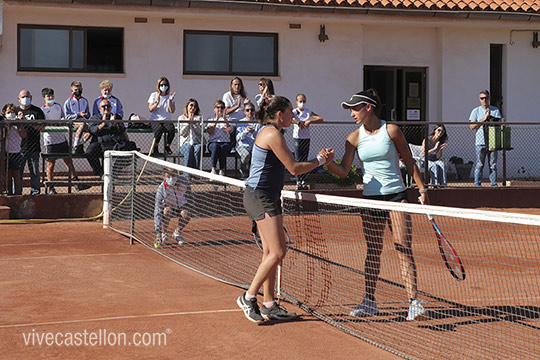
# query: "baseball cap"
(357, 99)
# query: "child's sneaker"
(368, 307)
(164, 239)
(177, 236)
(416, 310)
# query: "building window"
(230, 53)
(70, 49)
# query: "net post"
(107, 189)
(278, 275)
(132, 208)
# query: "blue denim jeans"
(32, 159)
(437, 172)
(301, 153)
(481, 153)
(219, 151)
(192, 155)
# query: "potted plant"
(353, 177)
(463, 169)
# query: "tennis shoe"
(222, 172)
(276, 312)
(415, 310)
(178, 238)
(164, 238)
(250, 309)
(213, 171)
(368, 307)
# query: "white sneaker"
(213, 171)
(366, 308)
(415, 310)
(222, 172)
(164, 238)
(177, 236)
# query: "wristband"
(422, 191)
(321, 160)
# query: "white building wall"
(455, 52)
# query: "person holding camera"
(479, 115)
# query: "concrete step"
(4, 212)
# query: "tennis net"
(493, 314)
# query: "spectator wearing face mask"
(31, 145)
(14, 136)
(105, 88)
(76, 108)
(303, 118)
(161, 104)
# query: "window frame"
(69, 69)
(231, 34)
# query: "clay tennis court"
(77, 278)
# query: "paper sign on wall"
(413, 114)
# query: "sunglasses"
(249, 110)
(261, 84)
(440, 130)
(220, 107)
(484, 97)
(106, 106)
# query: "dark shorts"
(383, 214)
(61, 148)
(15, 161)
(257, 204)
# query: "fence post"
(107, 189)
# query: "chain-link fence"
(45, 167)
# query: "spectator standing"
(246, 131)
(105, 88)
(15, 134)
(189, 128)
(303, 118)
(161, 104)
(479, 115)
(55, 142)
(31, 144)
(76, 108)
(219, 140)
(234, 100)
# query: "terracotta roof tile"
(522, 6)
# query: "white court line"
(38, 244)
(63, 256)
(119, 318)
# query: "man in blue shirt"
(484, 112)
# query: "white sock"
(249, 296)
(269, 304)
(78, 141)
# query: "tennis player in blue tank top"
(379, 146)
(262, 200)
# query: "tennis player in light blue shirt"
(481, 114)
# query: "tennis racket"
(257, 238)
(448, 253)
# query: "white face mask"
(171, 181)
(300, 105)
(106, 96)
(10, 116)
(25, 101)
(49, 101)
(163, 88)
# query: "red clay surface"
(79, 280)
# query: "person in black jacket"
(106, 135)
(31, 146)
